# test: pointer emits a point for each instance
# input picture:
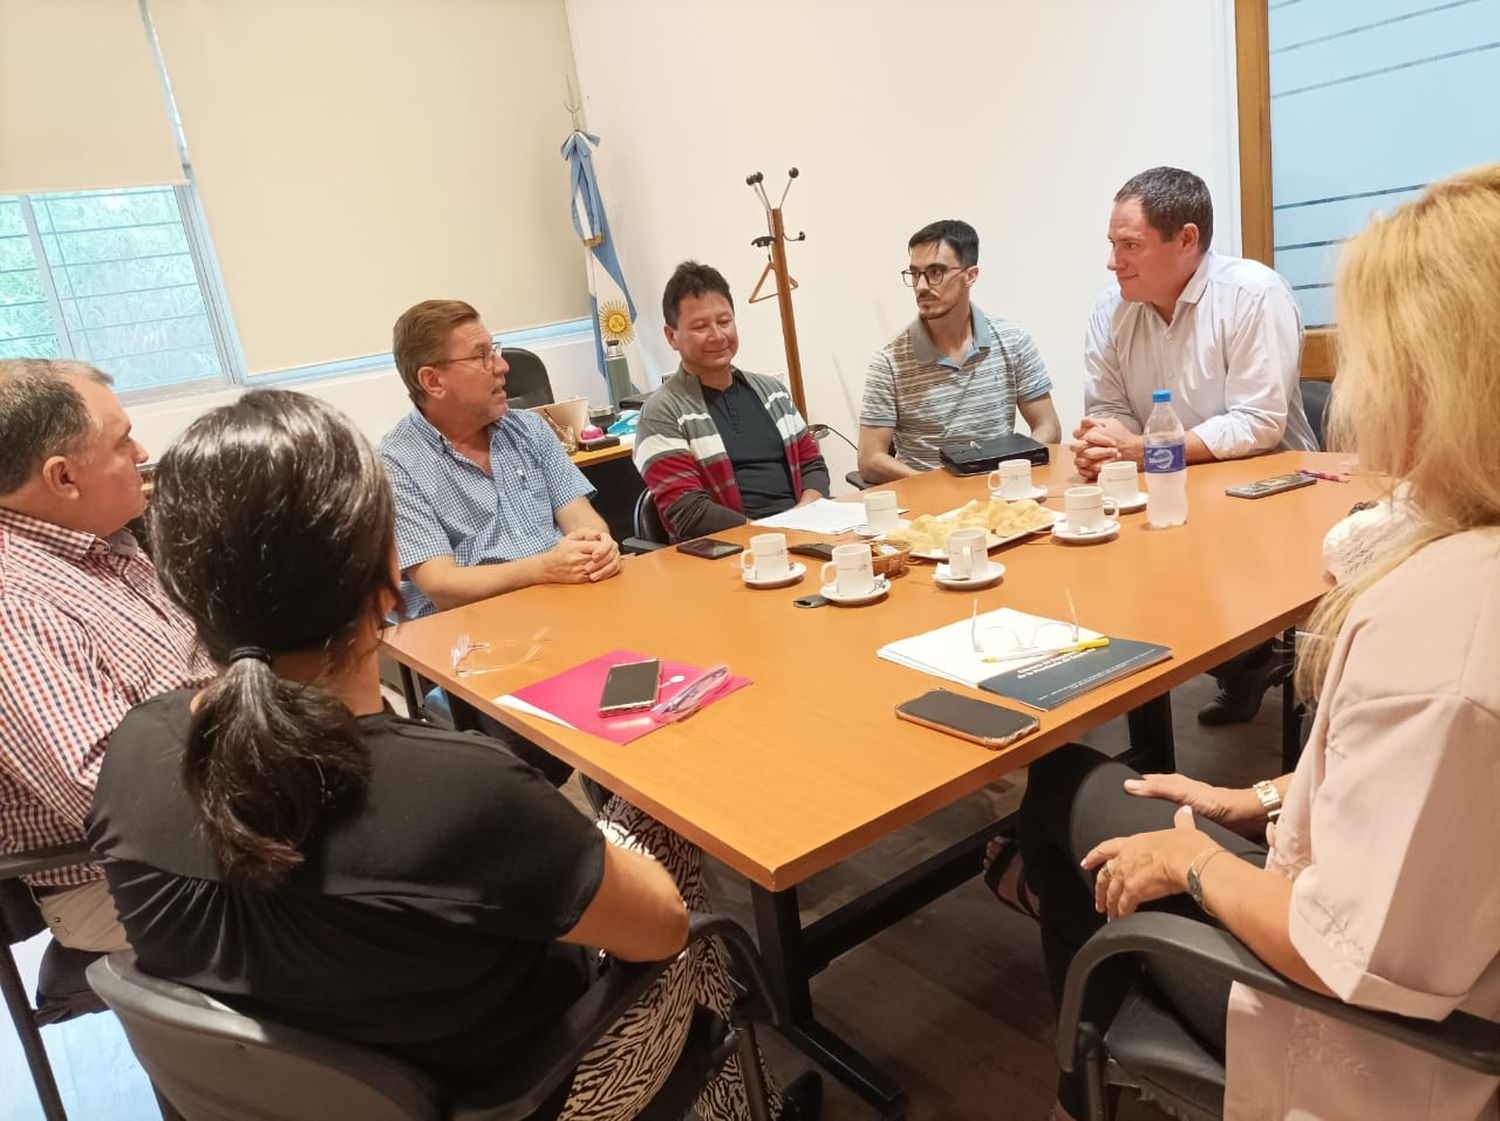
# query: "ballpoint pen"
(693, 695)
(1322, 475)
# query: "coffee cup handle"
(747, 561)
(1111, 507)
(992, 480)
(828, 572)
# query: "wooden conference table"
(809, 765)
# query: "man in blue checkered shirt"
(487, 500)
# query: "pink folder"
(573, 695)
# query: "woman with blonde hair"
(1379, 880)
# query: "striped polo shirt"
(935, 403)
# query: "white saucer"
(1134, 504)
(1036, 494)
(831, 593)
(866, 531)
(795, 572)
(1106, 532)
(993, 571)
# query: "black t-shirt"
(421, 922)
(754, 448)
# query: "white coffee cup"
(967, 555)
(1119, 480)
(1012, 478)
(1087, 507)
(880, 510)
(766, 558)
(851, 571)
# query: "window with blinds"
(1370, 101)
(112, 277)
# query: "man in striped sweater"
(716, 445)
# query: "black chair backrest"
(1315, 396)
(216, 1064)
(527, 385)
(647, 523)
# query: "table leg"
(778, 928)
(1152, 749)
(409, 693)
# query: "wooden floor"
(952, 1001)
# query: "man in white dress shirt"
(1224, 334)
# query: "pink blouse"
(1391, 832)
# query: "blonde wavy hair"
(1418, 386)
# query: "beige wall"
(1021, 116)
(356, 156)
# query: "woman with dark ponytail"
(282, 841)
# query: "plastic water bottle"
(1166, 463)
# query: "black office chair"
(1315, 395)
(62, 992)
(527, 385)
(1147, 1049)
(647, 533)
(217, 1064)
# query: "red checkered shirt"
(85, 633)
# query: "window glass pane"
(25, 323)
(1366, 108)
(123, 273)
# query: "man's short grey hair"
(42, 414)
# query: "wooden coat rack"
(775, 240)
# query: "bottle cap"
(1161, 396)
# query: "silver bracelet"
(1269, 797)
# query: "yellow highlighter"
(1048, 652)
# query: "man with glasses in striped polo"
(955, 374)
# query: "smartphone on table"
(822, 550)
(976, 721)
(709, 548)
(1274, 485)
(630, 687)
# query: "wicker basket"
(890, 561)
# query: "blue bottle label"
(1164, 458)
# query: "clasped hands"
(583, 555)
(1101, 440)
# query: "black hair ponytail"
(272, 526)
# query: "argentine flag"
(609, 299)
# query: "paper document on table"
(822, 516)
(510, 700)
(1007, 640)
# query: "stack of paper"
(1003, 635)
(822, 516)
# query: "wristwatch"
(1269, 797)
(1195, 874)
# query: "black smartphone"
(709, 548)
(630, 687)
(820, 549)
(969, 719)
(1274, 485)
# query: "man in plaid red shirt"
(85, 630)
